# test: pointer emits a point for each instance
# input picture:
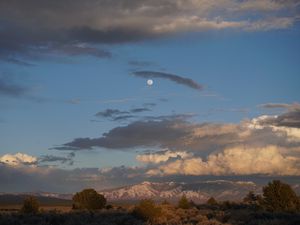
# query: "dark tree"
(88, 199)
(251, 198)
(30, 205)
(212, 201)
(279, 197)
(184, 203)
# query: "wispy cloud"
(172, 77)
(291, 107)
(117, 115)
(9, 88)
(69, 159)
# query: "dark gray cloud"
(291, 118)
(290, 107)
(117, 115)
(176, 78)
(275, 105)
(11, 89)
(137, 134)
(110, 113)
(34, 28)
(57, 159)
(139, 110)
(175, 132)
(121, 118)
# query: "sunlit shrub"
(147, 210)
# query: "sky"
(76, 110)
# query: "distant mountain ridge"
(17, 199)
(198, 192)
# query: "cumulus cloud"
(34, 28)
(18, 159)
(239, 160)
(175, 78)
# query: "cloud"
(35, 29)
(291, 107)
(176, 132)
(196, 23)
(54, 159)
(161, 156)
(108, 113)
(77, 49)
(239, 160)
(139, 110)
(118, 115)
(53, 179)
(175, 78)
(136, 134)
(291, 118)
(18, 159)
(270, 24)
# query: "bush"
(212, 201)
(30, 205)
(184, 203)
(147, 210)
(88, 199)
(279, 197)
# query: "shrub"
(165, 202)
(147, 210)
(30, 205)
(184, 203)
(88, 199)
(279, 197)
(212, 201)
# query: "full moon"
(149, 82)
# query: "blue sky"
(63, 84)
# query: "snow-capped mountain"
(198, 192)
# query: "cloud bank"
(258, 146)
(34, 29)
(177, 149)
(238, 160)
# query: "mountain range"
(199, 192)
